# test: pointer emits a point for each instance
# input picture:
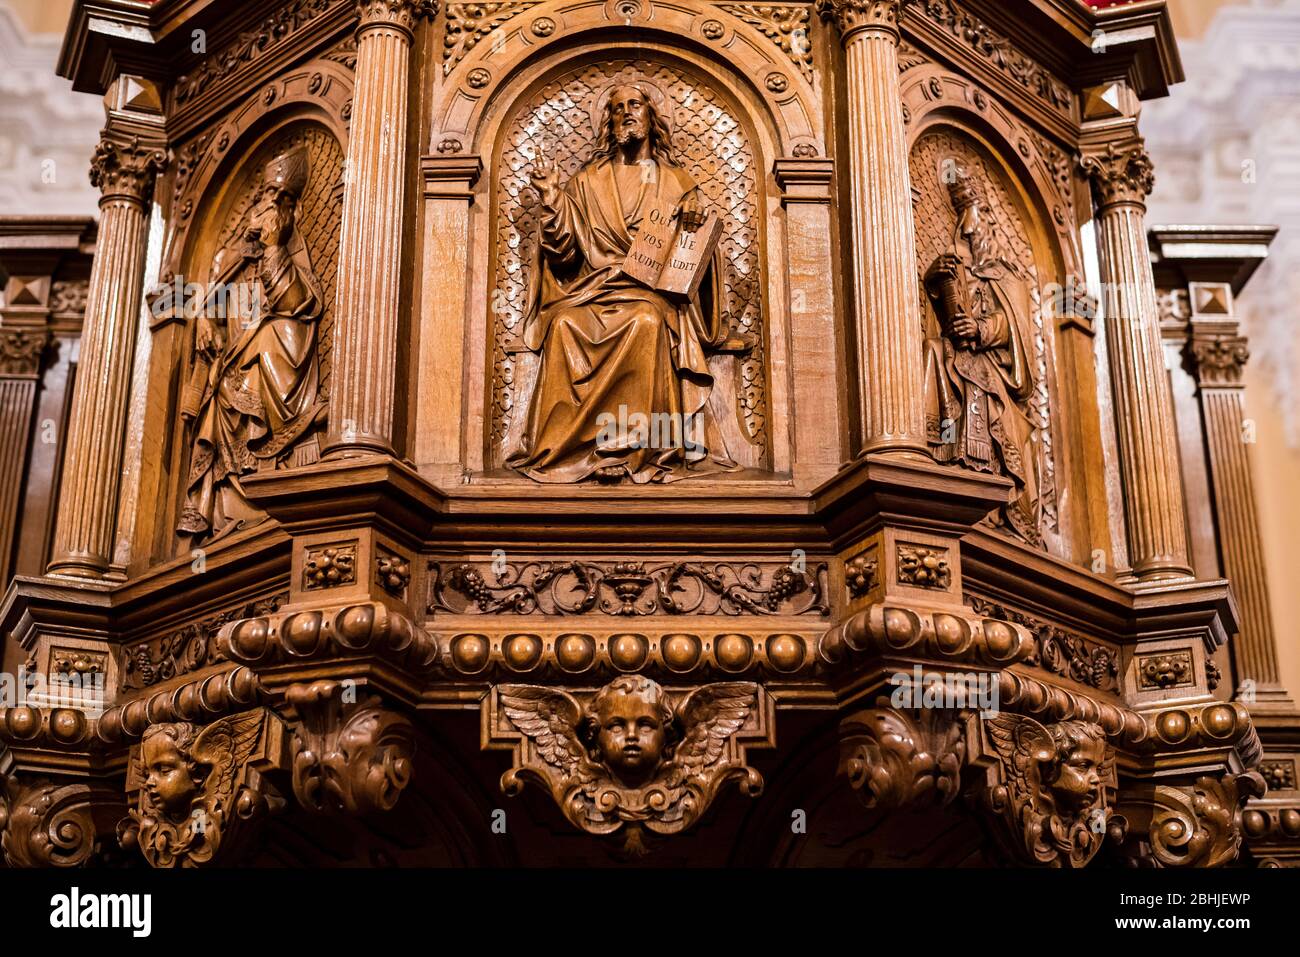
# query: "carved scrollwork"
(468, 23)
(892, 758)
(351, 757)
(998, 51)
(630, 588)
(1201, 826)
(200, 792)
(785, 24)
(631, 755)
(1051, 789)
(47, 823)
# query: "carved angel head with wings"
(633, 751)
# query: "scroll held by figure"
(623, 381)
(254, 391)
(979, 381)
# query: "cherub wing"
(1022, 743)
(550, 719)
(709, 716)
(226, 745)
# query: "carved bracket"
(199, 793)
(1201, 825)
(1049, 789)
(350, 757)
(630, 756)
(895, 757)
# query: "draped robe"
(611, 347)
(262, 391)
(981, 388)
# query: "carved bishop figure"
(255, 388)
(978, 379)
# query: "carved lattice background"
(710, 143)
(935, 224)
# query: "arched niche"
(949, 118)
(217, 175)
(740, 103)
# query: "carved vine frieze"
(997, 51)
(631, 756)
(1057, 650)
(631, 588)
(199, 791)
(894, 757)
(1051, 793)
(189, 648)
(1201, 825)
(350, 756)
(272, 31)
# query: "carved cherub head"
(1074, 776)
(631, 727)
(172, 778)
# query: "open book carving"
(668, 258)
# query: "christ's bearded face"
(630, 111)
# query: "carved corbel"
(1201, 825)
(895, 757)
(630, 756)
(350, 757)
(1049, 788)
(199, 793)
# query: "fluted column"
(20, 364)
(374, 203)
(886, 297)
(1218, 360)
(1144, 410)
(124, 169)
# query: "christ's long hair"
(660, 138)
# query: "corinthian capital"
(1120, 173)
(1219, 360)
(851, 16)
(126, 167)
(395, 13)
(20, 351)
